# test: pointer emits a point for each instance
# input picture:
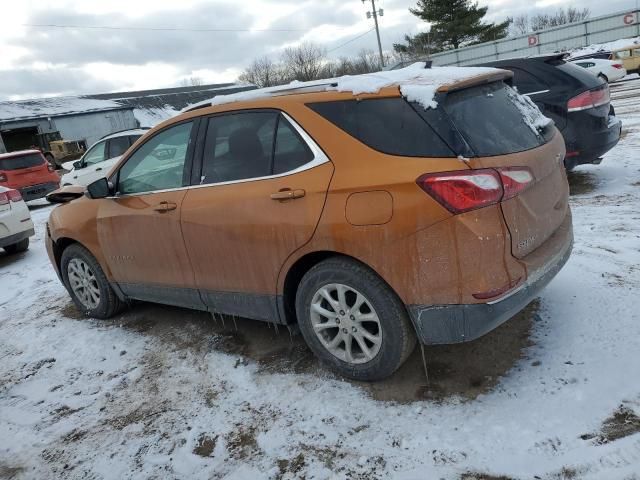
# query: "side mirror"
(77, 164)
(101, 188)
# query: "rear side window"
(291, 151)
(24, 161)
(117, 146)
(527, 82)
(388, 125)
(490, 121)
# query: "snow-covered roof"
(159, 103)
(52, 107)
(415, 81)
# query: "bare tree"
(192, 82)
(304, 62)
(264, 72)
(519, 25)
(542, 21)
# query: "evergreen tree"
(454, 23)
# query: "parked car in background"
(15, 221)
(608, 70)
(577, 101)
(100, 158)
(367, 219)
(630, 57)
(29, 172)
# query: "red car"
(29, 172)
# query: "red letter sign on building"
(629, 19)
(533, 40)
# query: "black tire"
(109, 304)
(21, 246)
(397, 335)
(603, 77)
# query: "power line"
(162, 29)
(349, 41)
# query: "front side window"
(117, 146)
(158, 164)
(388, 125)
(95, 154)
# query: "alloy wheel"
(346, 323)
(83, 283)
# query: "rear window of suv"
(22, 161)
(491, 122)
(388, 125)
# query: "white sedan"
(15, 221)
(608, 70)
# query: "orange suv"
(28, 172)
(371, 211)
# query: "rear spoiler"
(498, 75)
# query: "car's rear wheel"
(87, 284)
(603, 77)
(353, 321)
(21, 246)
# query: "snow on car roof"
(606, 47)
(416, 82)
(18, 153)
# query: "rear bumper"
(446, 324)
(34, 192)
(16, 237)
(594, 144)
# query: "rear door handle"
(164, 207)
(288, 194)
(98, 169)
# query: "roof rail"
(125, 130)
(273, 92)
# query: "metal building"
(607, 28)
(87, 118)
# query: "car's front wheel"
(87, 284)
(353, 321)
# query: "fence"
(602, 29)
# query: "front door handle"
(164, 207)
(288, 194)
(98, 169)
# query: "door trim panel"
(253, 306)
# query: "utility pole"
(375, 14)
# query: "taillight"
(589, 99)
(3, 177)
(515, 181)
(14, 195)
(617, 65)
(467, 190)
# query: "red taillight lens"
(465, 190)
(617, 65)
(468, 190)
(14, 195)
(3, 177)
(589, 99)
(515, 181)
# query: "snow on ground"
(167, 393)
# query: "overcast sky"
(39, 61)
